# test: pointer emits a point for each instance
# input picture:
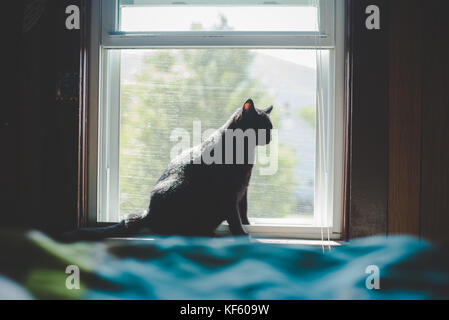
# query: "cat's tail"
(125, 228)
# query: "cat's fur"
(192, 198)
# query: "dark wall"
(399, 116)
(419, 119)
(405, 76)
(9, 114)
(434, 184)
(40, 188)
(367, 101)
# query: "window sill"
(271, 233)
(292, 242)
(283, 232)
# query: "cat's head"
(250, 117)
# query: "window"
(157, 66)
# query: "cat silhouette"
(203, 186)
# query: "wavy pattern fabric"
(222, 268)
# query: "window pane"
(165, 89)
(213, 18)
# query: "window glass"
(218, 18)
(167, 89)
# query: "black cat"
(194, 196)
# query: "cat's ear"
(248, 106)
(268, 110)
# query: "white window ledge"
(295, 242)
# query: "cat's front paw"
(240, 234)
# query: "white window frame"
(104, 100)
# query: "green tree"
(308, 114)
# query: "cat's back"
(185, 173)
